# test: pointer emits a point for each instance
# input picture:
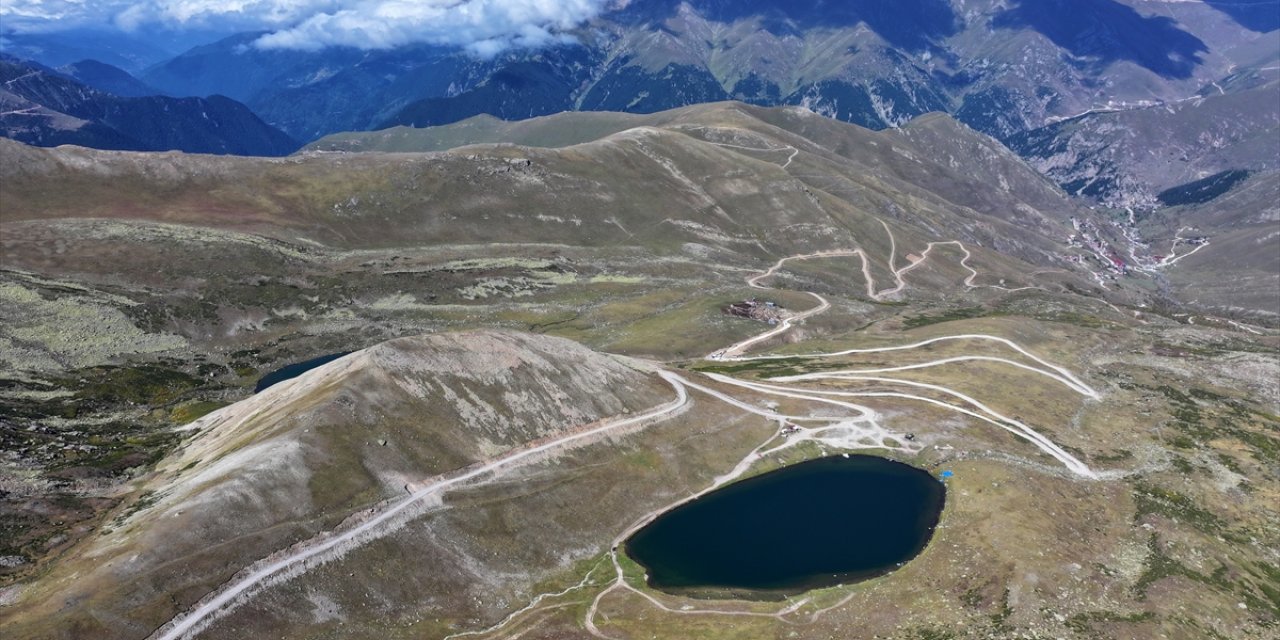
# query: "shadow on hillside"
(1262, 16)
(1107, 32)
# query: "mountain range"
(412, 341)
(1002, 68)
(1126, 158)
(96, 105)
(1051, 79)
(511, 291)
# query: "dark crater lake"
(815, 524)
(294, 370)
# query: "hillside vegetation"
(543, 352)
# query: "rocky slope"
(631, 239)
(1241, 225)
(682, 171)
(142, 295)
(736, 179)
(307, 454)
(46, 108)
(1126, 158)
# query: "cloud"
(245, 14)
(52, 15)
(484, 27)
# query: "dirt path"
(855, 427)
(217, 604)
(860, 428)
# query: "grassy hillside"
(502, 300)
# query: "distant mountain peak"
(107, 78)
(51, 108)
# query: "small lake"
(815, 524)
(294, 370)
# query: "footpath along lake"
(815, 524)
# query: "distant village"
(1087, 236)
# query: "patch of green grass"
(643, 458)
(762, 368)
(345, 485)
(1084, 622)
(1230, 463)
(1265, 447)
(147, 499)
(116, 447)
(931, 633)
(1206, 395)
(1116, 456)
(1198, 415)
(192, 411)
(1000, 619)
(145, 384)
(1158, 567)
(1151, 499)
(962, 313)
(1269, 584)
(1071, 317)
(632, 571)
(1180, 463)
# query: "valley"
(541, 364)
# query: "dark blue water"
(294, 370)
(815, 524)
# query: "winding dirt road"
(188, 623)
(855, 427)
(863, 421)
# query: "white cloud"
(52, 14)
(485, 27)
